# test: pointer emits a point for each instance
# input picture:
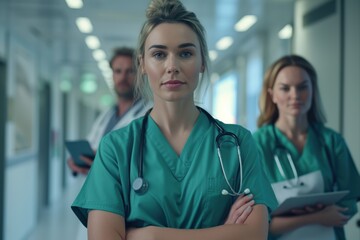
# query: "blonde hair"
(169, 11)
(269, 112)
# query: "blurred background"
(55, 79)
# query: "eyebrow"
(301, 83)
(183, 45)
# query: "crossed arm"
(245, 221)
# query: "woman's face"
(292, 92)
(172, 62)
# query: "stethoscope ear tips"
(224, 192)
(140, 186)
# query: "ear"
(271, 93)
(202, 69)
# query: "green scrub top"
(320, 143)
(184, 191)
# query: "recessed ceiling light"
(213, 55)
(84, 25)
(286, 32)
(99, 54)
(224, 43)
(245, 23)
(76, 4)
(92, 42)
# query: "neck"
(124, 105)
(293, 127)
(174, 117)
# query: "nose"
(172, 66)
(295, 93)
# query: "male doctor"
(126, 109)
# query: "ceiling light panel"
(286, 32)
(92, 42)
(224, 43)
(245, 23)
(75, 4)
(84, 25)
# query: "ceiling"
(118, 22)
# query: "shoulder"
(235, 128)
(329, 135)
(128, 133)
(263, 133)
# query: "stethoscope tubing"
(140, 185)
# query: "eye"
(284, 88)
(303, 87)
(186, 54)
(158, 55)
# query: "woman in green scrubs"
(302, 156)
(185, 178)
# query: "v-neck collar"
(179, 165)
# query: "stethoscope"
(140, 185)
(296, 183)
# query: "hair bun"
(163, 8)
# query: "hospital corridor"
(70, 73)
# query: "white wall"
(352, 90)
(320, 44)
(20, 199)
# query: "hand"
(77, 169)
(240, 210)
(331, 216)
(307, 209)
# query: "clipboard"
(327, 198)
(80, 148)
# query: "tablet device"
(80, 148)
(326, 198)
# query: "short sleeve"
(102, 189)
(346, 173)
(254, 175)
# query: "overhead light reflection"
(75, 4)
(286, 32)
(224, 43)
(245, 23)
(92, 42)
(84, 25)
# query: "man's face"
(123, 77)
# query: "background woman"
(301, 155)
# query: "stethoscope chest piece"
(140, 186)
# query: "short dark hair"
(122, 51)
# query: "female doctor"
(301, 155)
(162, 177)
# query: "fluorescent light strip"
(92, 42)
(75, 4)
(245, 23)
(286, 32)
(84, 25)
(213, 55)
(99, 54)
(224, 43)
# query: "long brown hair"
(269, 112)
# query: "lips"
(173, 82)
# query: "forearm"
(223, 232)
(105, 225)
(255, 227)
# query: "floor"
(58, 222)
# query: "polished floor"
(58, 222)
